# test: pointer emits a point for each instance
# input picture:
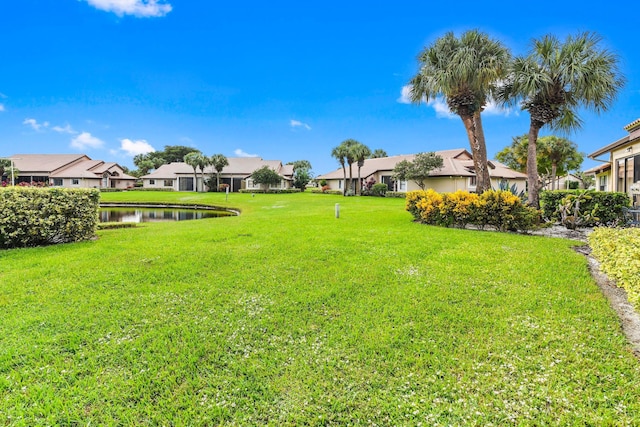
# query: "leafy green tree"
(266, 176)
(300, 164)
(176, 153)
(465, 71)
(5, 165)
(194, 160)
(218, 161)
(563, 156)
(146, 162)
(378, 153)
(418, 169)
(301, 173)
(360, 153)
(555, 80)
(554, 156)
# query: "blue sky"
(281, 80)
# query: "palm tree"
(340, 154)
(360, 153)
(218, 161)
(465, 72)
(193, 159)
(554, 81)
(378, 153)
(350, 158)
(203, 162)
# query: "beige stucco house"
(620, 170)
(457, 173)
(179, 176)
(69, 170)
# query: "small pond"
(157, 214)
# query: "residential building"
(179, 176)
(69, 170)
(457, 173)
(621, 170)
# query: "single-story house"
(237, 175)
(68, 170)
(457, 173)
(621, 170)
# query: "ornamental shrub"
(606, 208)
(618, 251)
(499, 209)
(43, 216)
(379, 189)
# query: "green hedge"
(605, 207)
(396, 194)
(271, 191)
(618, 251)
(42, 216)
(117, 190)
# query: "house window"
(274, 186)
(402, 185)
(473, 181)
(249, 183)
(602, 186)
(168, 183)
(152, 182)
(57, 182)
(340, 184)
(75, 181)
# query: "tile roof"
(242, 166)
(44, 163)
(456, 162)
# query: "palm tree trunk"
(359, 186)
(344, 189)
(533, 180)
(475, 134)
(351, 178)
(217, 180)
(554, 168)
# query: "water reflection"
(156, 214)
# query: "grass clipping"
(618, 251)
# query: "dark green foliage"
(379, 189)
(605, 208)
(271, 190)
(396, 194)
(43, 216)
(265, 176)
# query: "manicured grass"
(286, 315)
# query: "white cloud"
(139, 8)
(238, 152)
(296, 123)
(405, 97)
(67, 129)
(133, 148)
(2, 108)
(35, 125)
(494, 109)
(86, 140)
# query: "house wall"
(160, 184)
(625, 165)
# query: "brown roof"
(242, 166)
(633, 136)
(456, 162)
(598, 168)
(44, 163)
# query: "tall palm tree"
(218, 161)
(203, 162)
(465, 71)
(193, 160)
(350, 158)
(360, 153)
(556, 79)
(340, 154)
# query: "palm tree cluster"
(349, 152)
(198, 160)
(552, 82)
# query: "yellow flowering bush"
(460, 208)
(618, 251)
(500, 209)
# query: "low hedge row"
(334, 192)
(41, 216)
(117, 190)
(618, 250)
(501, 210)
(272, 191)
(602, 207)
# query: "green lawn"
(286, 315)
